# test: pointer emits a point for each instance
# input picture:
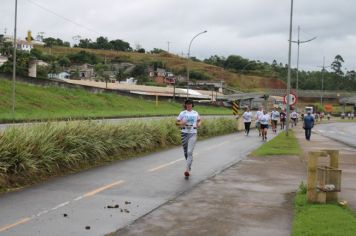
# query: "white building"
(61, 75)
(3, 60)
(24, 45)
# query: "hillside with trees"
(238, 72)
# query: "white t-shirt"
(258, 115)
(247, 116)
(191, 118)
(274, 115)
(264, 119)
(294, 115)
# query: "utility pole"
(322, 82)
(298, 42)
(289, 62)
(14, 65)
(168, 46)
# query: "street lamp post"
(14, 65)
(190, 44)
(289, 62)
(298, 42)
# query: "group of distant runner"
(263, 120)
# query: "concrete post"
(334, 163)
(312, 194)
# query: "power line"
(64, 18)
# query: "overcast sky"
(254, 29)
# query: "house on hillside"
(85, 71)
(161, 76)
(129, 81)
(62, 75)
(24, 45)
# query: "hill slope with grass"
(51, 103)
(178, 66)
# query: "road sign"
(292, 99)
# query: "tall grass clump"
(32, 153)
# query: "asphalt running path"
(80, 204)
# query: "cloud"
(255, 29)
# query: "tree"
(84, 57)
(6, 48)
(139, 70)
(119, 75)
(64, 61)
(337, 64)
(157, 51)
(85, 43)
(216, 60)
(103, 43)
(236, 62)
(120, 45)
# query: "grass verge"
(280, 145)
(322, 220)
(52, 103)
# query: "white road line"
(41, 213)
(78, 198)
(60, 205)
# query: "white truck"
(309, 109)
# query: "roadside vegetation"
(51, 103)
(321, 219)
(33, 153)
(280, 145)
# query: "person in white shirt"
(294, 117)
(274, 118)
(189, 121)
(247, 116)
(264, 120)
(259, 113)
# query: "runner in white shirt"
(189, 120)
(247, 116)
(259, 113)
(294, 117)
(274, 118)
(264, 120)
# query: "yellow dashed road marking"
(98, 190)
(22, 221)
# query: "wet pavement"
(253, 197)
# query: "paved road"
(67, 205)
(344, 132)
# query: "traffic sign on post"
(292, 99)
